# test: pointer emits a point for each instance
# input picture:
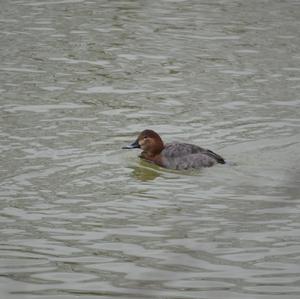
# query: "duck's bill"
(135, 144)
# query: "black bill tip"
(135, 144)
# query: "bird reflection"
(145, 171)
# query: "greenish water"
(82, 218)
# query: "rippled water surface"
(82, 218)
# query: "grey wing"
(197, 160)
(174, 150)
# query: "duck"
(175, 155)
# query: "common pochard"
(173, 155)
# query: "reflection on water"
(80, 217)
(144, 172)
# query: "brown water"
(82, 218)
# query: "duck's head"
(149, 141)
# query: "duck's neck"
(154, 158)
(155, 149)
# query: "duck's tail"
(217, 157)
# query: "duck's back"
(184, 156)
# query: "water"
(82, 218)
